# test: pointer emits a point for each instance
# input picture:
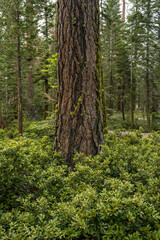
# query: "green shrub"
(19, 161)
(2, 134)
(40, 129)
(114, 195)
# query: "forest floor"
(122, 133)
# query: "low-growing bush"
(40, 129)
(114, 195)
(2, 134)
(19, 162)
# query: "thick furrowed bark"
(79, 126)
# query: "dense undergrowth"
(114, 195)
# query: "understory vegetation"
(115, 121)
(114, 195)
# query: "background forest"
(114, 195)
(130, 48)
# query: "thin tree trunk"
(133, 71)
(148, 92)
(111, 83)
(19, 77)
(46, 90)
(103, 98)
(123, 80)
(147, 75)
(46, 86)
(132, 91)
(124, 11)
(155, 93)
(123, 100)
(30, 58)
(30, 94)
(79, 126)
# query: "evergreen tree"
(8, 79)
(29, 49)
(116, 58)
(110, 27)
(47, 13)
(143, 20)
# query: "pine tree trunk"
(148, 90)
(132, 92)
(30, 93)
(46, 90)
(123, 100)
(111, 82)
(19, 76)
(103, 99)
(79, 105)
(147, 72)
(30, 58)
(155, 92)
(124, 10)
(134, 49)
(46, 85)
(123, 81)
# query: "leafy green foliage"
(112, 196)
(2, 134)
(51, 69)
(34, 130)
(20, 160)
(39, 129)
